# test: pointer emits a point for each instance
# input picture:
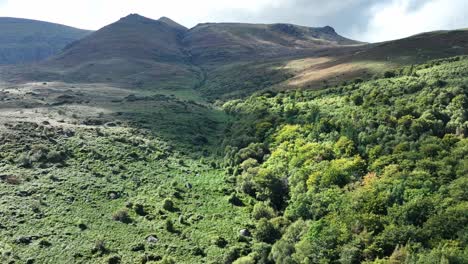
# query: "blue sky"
(366, 20)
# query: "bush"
(55, 156)
(266, 232)
(114, 260)
(82, 226)
(234, 200)
(357, 99)
(99, 247)
(220, 242)
(168, 204)
(282, 252)
(389, 74)
(261, 210)
(140, 210)
(231, 254)
(169, 226)
(24, 161)
(260, 253)
(122, 216)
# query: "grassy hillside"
(26, 41)
(375, 58)
(314, 68)
(369, 172)
(98, 174)
(86, 196)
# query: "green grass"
(186, 123)
(51, 202)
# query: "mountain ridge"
(221, 60)
(29, 41)
(138, 51)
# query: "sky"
(364, 20)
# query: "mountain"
(26, 41)
(143, 52)
(218, 42)
(226, 60)
(173, 24)
(132, 37)
(134, 50)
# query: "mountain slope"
(375, 59)
(132, 37)
(173, 24)
(218, 42)
(133, 50)
(25, 41)
(226, 60)
(142, 52)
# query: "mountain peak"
(172, 23)
(135, 18)
(329, 30)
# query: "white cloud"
(397, 19)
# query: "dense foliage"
(373, 172)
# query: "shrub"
(169, 226)
(82, 226)
(357, 99)
(168, 204)
(234, 200)
(114, 260)
(231, 254)
(55, 156)
(358, 80)
(389, 74)
(344, 147)
(266, 232)
(24, 161)
(140, 210)
(219, 241)
(260, 253)
(44, 243)
(261, 210)
(100, 247)
(122, 216)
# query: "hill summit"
(133, 50)
(172, 23)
